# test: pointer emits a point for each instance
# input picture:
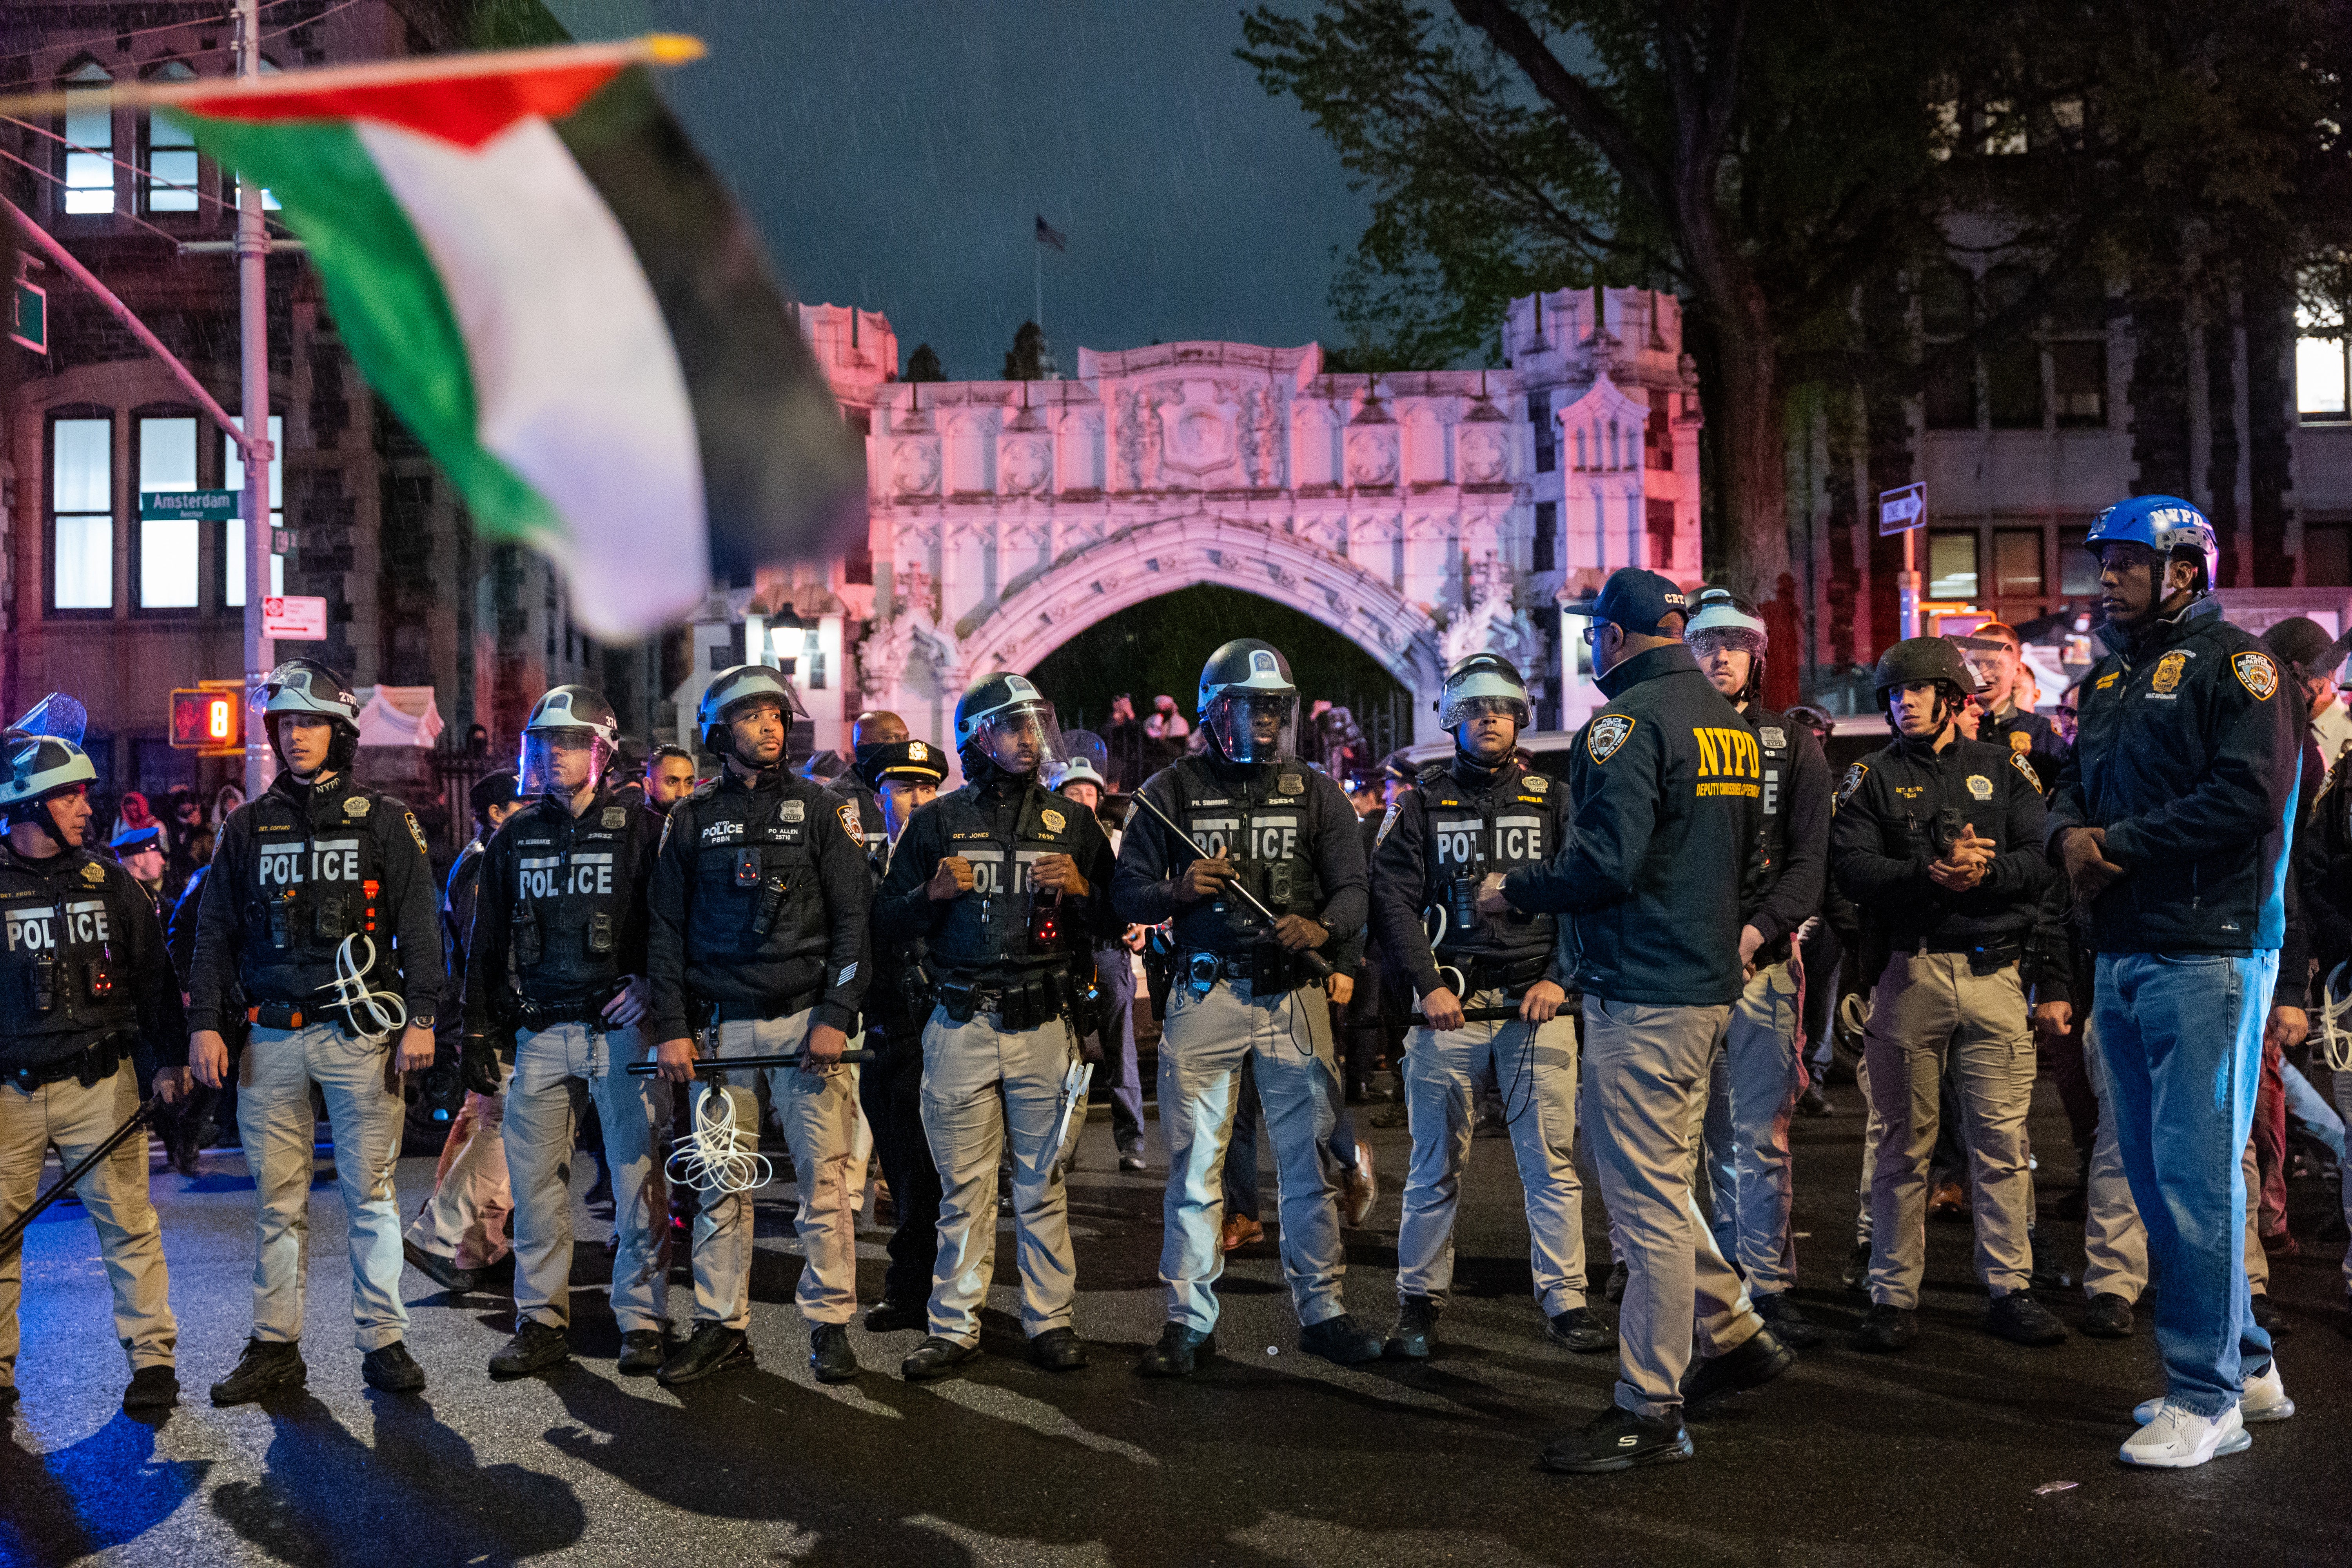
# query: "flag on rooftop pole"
(1048, 234)
(541, 277)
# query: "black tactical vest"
(1515, 821)
(1776, 733)
(315, 882)
(573, 880)
(995, 925)
(1261, 823)
(62, 973)
(755, 892)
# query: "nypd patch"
(1388, 822)
(2017, 760)
(1851, 782)
(846, 815)
(416, 833)
(2257, 674)
(1605, 734)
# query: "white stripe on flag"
(576, 383)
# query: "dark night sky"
(893, 154)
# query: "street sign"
(1902, 509)
(295, 618)
(28, 317)
(208, 720)
(187, 506)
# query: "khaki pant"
(556, 1073)
(1644, 1095)
(1927, 1005)
(1758, 1074)
(114, 1193)
(466, 1218)
(2115, 1241)
(364, 1113)
(819, 1112)
(1535, 1066)
(1286, 1039)
(984, 1087)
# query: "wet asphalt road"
(1271, 1458)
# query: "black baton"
(1473, 1015)
(1317, 964)
(15, 1230)
(705, 1066)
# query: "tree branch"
(1584, 110)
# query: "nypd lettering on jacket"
(81, 920)
(584, 873)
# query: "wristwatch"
(420, 1020)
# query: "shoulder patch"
(1605, 734)
(357, 805)
(416, 833)
(2257, 674)
(1775, 738)
(1851, 782)
(1388, 822)
(847, 814)
(2025, 769)
(669, 819)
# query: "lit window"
(233, 535)
(81, 500)
(1951, 565)
(90, 126)
(167, 550)
(171, 152)
(2319, 362)
(2004, 128)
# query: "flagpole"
(253, 303)
(1038, 245)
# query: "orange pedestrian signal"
(207, 721)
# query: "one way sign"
(1900, 510)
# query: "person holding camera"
(1267, 869)
(1937, 841)
(1007, 886)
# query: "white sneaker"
(2263, 1398)
(2179, 1439)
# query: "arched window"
(169, 165)
(89, 132)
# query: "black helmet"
(1246, 676)
(1003, 700)
(1483, 677)
(1915, 659)
(573, 715)
(306, 686)
(729, 690)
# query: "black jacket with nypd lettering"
(998, 826)
(299, 870)
(2187, 754)
(1663, 861)
(558, 907)
(720, 848)
(83, 961)
(1899, 810)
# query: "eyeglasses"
(1593, 633)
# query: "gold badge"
(917, 752)
(2257, 674)
(1980, 786)
(93, 873)
(1537, 782)
(357, 805)
(1052, 819)
(2169, 670)
(2019, 742)
(1291, 784)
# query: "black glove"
(479, 1064)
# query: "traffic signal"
(207, 721)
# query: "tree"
(1027, 359)
(923, 365)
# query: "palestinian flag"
(544, 280)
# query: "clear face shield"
(1023, 739)
(56, 714)
(1253, 726)
(1485, 727)
(559, 761)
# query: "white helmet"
(1080, 770)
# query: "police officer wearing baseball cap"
(1936, 841)
(1659, 872)
(902, 777)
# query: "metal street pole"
(253, 303)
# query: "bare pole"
(252, 305)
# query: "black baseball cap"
(1635, 599)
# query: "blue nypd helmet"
(2166, 524)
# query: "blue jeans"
(2181, 1038)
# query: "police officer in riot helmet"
(555, 987)
(1937, 841)
(1254, 820)
(1758, 1074)
(1007, 886)
(902, 777)
(757, 937)
(1492, 991)
(88, 1008)
(319, 921)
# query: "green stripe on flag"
(387, 298)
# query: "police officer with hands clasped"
(1658, 872)
(319, 923)
(1484, 812)
(1007, 886)
(757, 937)
(88, 1006)
(1937, 840)
(1256, 821)
(555, 987)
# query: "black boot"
(1179, 1352)
(264, 1368)
(712, 1347)
(1750, 1365)
(2109, 1317)
(643, 1351)
(1781, 1316)
(1886, 1328)
(442, 1271)
(889, 1317)
(830, 1356)
(391, 1369)
(1416, 1328)
(1341, 1339)
(1581, 1331)
(2023, 1321)
(1616, 1439)
(151, 1388)
(1059, 1349)
(934, 1357)
(535, 1347)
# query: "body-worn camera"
(1462, 904)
